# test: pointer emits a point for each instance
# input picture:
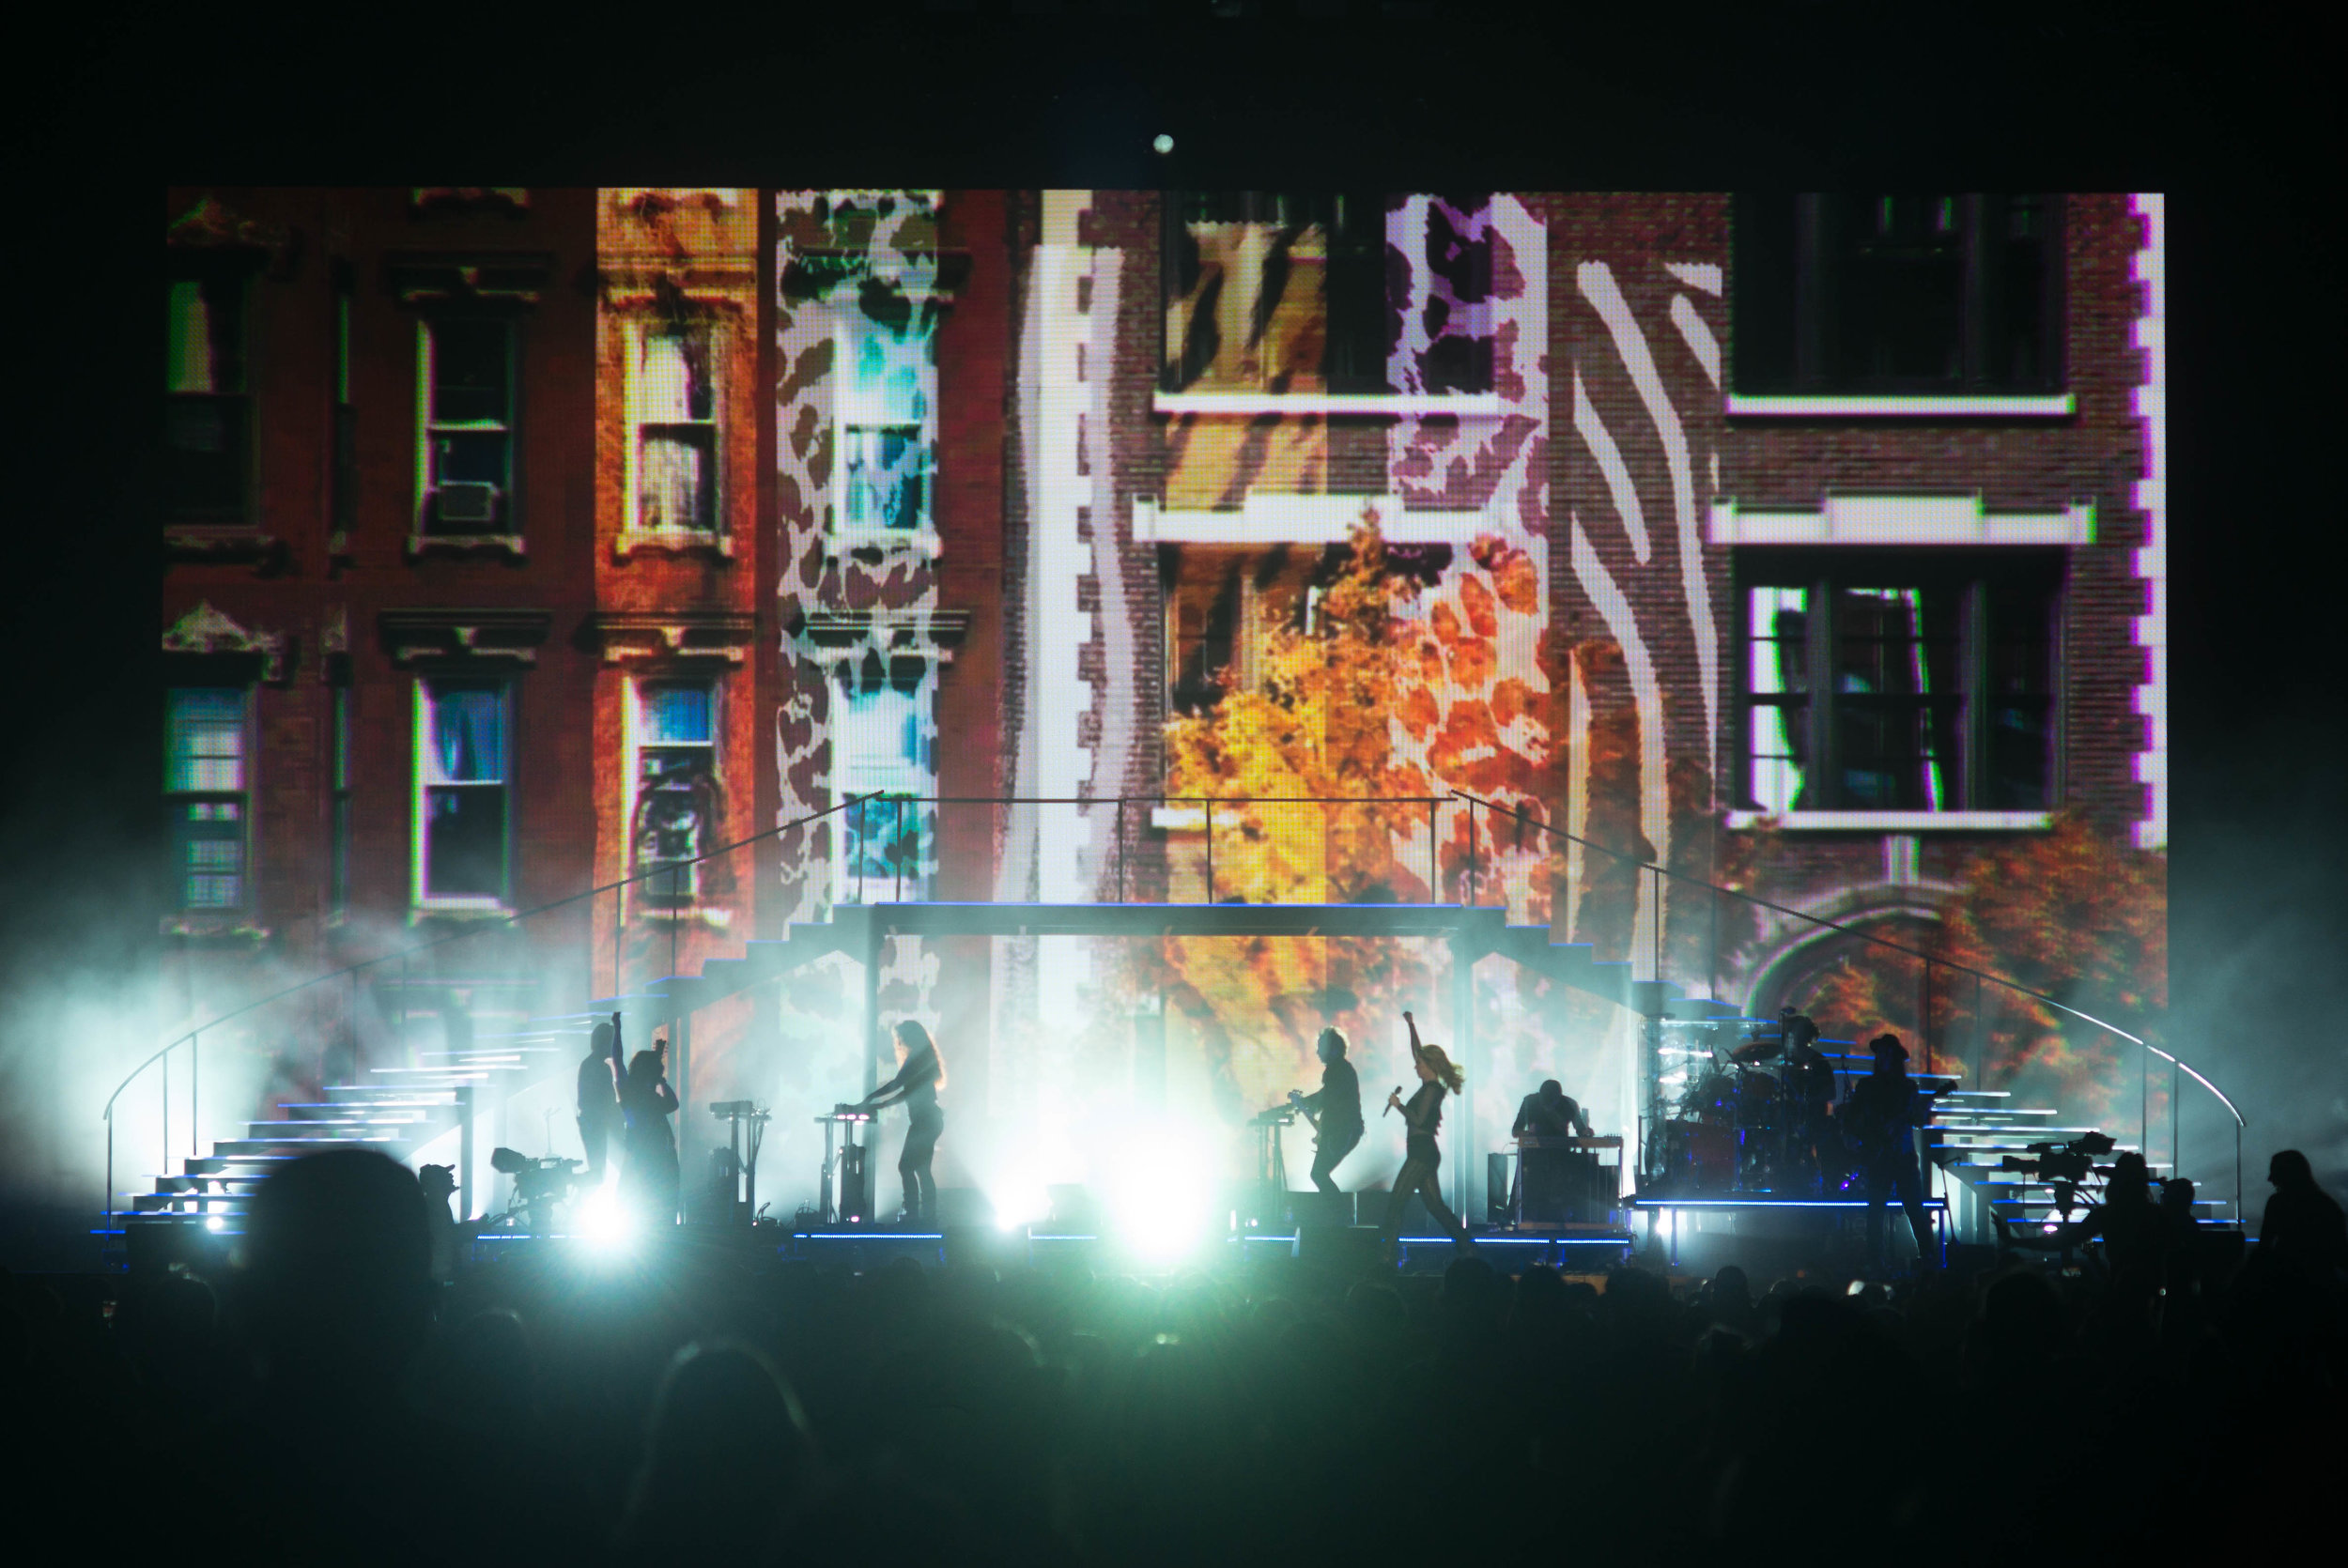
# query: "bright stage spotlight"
(1018, 1202)
(1161, 1198)
(215, 1223)
(601, 1221)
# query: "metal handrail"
(1926, 959)
(193, 1037)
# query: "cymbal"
(1757, 1051)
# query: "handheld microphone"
(1389, 1110)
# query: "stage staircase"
(396, 1111)
(1972, 1133)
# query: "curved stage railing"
(2145, 1049)
(193, 1039)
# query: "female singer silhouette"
(1422, 1159)
(649, 1180)
(915, 1085)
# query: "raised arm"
(1418, 1052)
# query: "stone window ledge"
(458, 909)
(228, 927)
(2059, 406)
(671, 541)
(215, 542)
(711, 916)
(886, 542)
(467, 544)
(1373, 404)
(1896, 821)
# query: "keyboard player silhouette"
(1545, 1175)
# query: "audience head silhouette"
(2289, 1171)
(336, 1266)
(726, 1452)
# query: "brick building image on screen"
(527, 543)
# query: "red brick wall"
(302, 591)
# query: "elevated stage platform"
(860, 1250)
(856, 931)
(1766, 1216)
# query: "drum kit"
(1739, 1120)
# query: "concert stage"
(1764, 1218)
(859, 1251)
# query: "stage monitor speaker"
(856, 1191)
(1415, 1219)
(721, 1203)
(964, 1207)
(1497, 1209)
(1074, 1211)
(1322, 1209)
(982, 1247)
(1346, 1251)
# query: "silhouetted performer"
(1422, 1159)
(1880, 1119)
(438, 1182)
(2303, 1228)
(1809, 1079)
(916, 1083)
(648, 1182)
(1334, 1109)
(1547, 1112)
(600, 1096)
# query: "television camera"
(539, 1184)
(2062, 1166)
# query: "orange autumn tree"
(1397, 691)
(1393, 694)
(2071, 913)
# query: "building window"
(881, 742)
(1224, 603)
(1286, 292)
(676, 786)
(886, 403)
(1936, 692)
(339, 850)
(207, 414)
(676, 417)
(462, 785)
(465, 449)
(1897, 294)
(205, 782)
(346, 412)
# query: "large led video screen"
(1749, 600)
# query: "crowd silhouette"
(329, 1401)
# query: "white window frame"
(634, 740)
(243, 793)
(509, 534)
(920, 778)
(1873, 522)
(420, 786)
(634, 534)
(850, 412)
